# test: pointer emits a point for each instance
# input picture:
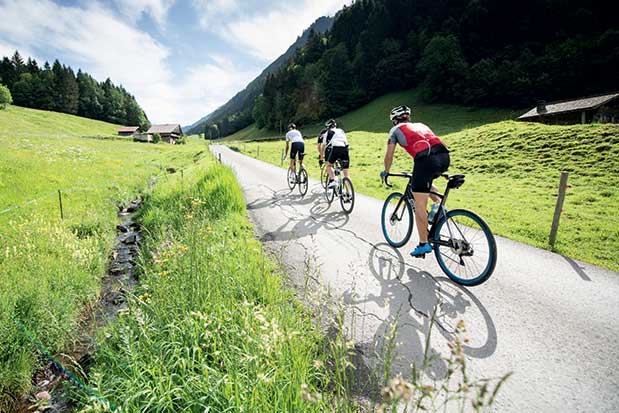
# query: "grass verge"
(50, 268)
(212, 327)
(512, 173)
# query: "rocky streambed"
(50, 392)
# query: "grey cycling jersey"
(294, 136)
(336, 137)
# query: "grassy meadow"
(211, 327)
(374, 117)
(50, 268)
(513, 171)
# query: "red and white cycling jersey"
(415, 138)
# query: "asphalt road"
(552, 321)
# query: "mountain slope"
(244, 98)
(373, 117)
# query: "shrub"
(156, 138)
(5, 96)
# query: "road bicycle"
(343, 189)
(463, 243)
(298, 177)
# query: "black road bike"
(298, 176)
(343, 189)
(463, 243)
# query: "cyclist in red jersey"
(431, 159)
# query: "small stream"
(50, 392)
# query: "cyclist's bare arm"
(389, 156)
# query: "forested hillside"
(474, 52)
(236, 113)
(57, 88)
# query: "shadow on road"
(410, 297)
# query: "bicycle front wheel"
(397, 220)
(303, 182)
(347, 197)
(465, 247)
(291, 178)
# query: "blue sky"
(180, 58)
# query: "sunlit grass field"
(50, 268)
(374, 117)
(513, 174)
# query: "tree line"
(56, 87)
(474, 52)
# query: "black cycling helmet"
(292, 126)
(331, 123)
(399, 112)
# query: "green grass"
(16, 121)
(50, 269)
(374, 117)
(512, 173)
(211, 327)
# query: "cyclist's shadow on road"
(410, 297)
(298, 224)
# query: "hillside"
(16, 121)
(374, 117)
(512, 171)
(245, 98)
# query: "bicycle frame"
(409, 197)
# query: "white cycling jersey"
(336, 137)
(294, 136)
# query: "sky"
(181, 59)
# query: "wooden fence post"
(258, 155)
(219, 157)
(60, 202)
(558, 209)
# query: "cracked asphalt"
(552, 321)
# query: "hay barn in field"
(169, 132)
(592, 109)
(128, 130)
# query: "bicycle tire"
(446, 256)
(323, 176)
(329, 194)
(387, 224)
(303, 182)
(291, 178)
(347, 196)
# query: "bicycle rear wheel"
(291, 178)
(303, 182)
(347, 197)
(470, 256)
(397, 220)
(329, 194)
(323, 176)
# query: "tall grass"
(50, 268)
(212, 327)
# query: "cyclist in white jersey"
(337, 142)
(295, 140)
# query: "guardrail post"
(60, 202)
(558, 209)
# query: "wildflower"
(398, 389)
(318, 364)
(309, 396)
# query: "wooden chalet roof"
(571, 105)
(166, 128)
(128, 129)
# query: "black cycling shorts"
(297, 148)
(428, 168)
(341, 153)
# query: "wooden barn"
(169, 132)
(128, 130)
(593, 109)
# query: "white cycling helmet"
(399, 111)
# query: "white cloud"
(268, 35)
(101, 44)
(133, 9)
(210, 9)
